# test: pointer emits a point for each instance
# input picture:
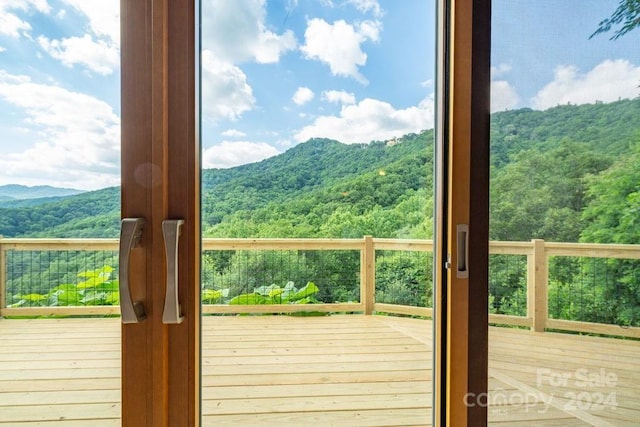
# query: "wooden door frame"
(161, 180)
(138, 362)
(468, 201)
(184, 165)
(461, 315)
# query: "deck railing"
(537, 253)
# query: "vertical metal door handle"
(130, 232)
(462, 270)
(172, 313)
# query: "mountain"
(315, 165)
(89, 214)
(545, 171)
(22, 192)
(8, 202)
(604, 128)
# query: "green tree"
(613, 211)
(613, 216)
(626, 14)
(540, 194)
(404, 278)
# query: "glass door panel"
(60, 211)
(564, 266)
(317, 200)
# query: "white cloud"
(608, 81)
(2, 49)
(369, 120)
(500, 70)
(303, 95)
(369, 30)
(285, 143)
(75, 138)
(235, 31)
(103, 15)
(228, 154)
(233, 133)
(339, 96)
(225, 90)
(363, 6)
(98, 49)
(13, 26)
(367, 6)
(338, 45)
(97, 55)
(503, 96)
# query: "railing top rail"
(53, 241)
(34, 244)
(209, 243)
(592, 250)
(510, 248)
(281, 244)
(403, 244)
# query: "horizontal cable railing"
(579, 287)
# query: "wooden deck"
(334, 370)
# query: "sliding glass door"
(342, 199)
(348, 226)
(318, 192)
(59, 208)
(564, 233)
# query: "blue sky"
(277, 72)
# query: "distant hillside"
(313, 165)
(604, 128)
(21, 192)
(547, 169)
(90, 214)
(9, 202)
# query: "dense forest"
(569, 173)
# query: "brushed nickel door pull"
(172, 313)
(130, 233)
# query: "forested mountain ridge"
(604, 128)
(319, 173)
(548, 168)
(91, 214)
(23, 192)
(552, 175)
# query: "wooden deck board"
(329, 370)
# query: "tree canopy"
(553, 177)
(626, 14)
